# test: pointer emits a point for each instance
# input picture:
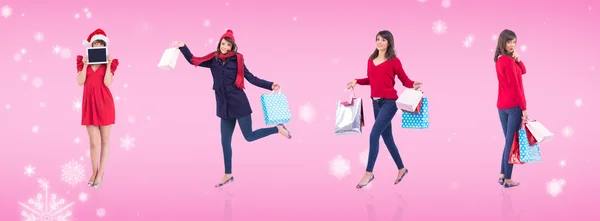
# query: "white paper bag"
(539, 132)
(409, 100)
(168, 61)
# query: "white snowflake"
(127, 142)
(446, 3)
(307, 113)
(56, 49)
(77, 140)
(554, 187)
(363, 157)
(468, 42)
(101, 212)
(578, 102)
(439, 27)
(37, 82)
(562, 163)
(339, 167)
(455, 185)
(523, 48)
(72, 173)
(35, 129)
(335, 61)
(422, 1)
(23, 51)
(65, 53)
(494, 37)
(295, 18)
(206, 23)
(88, 14)
(125, 85)
(210, 40)
(46, 206)
(567, 131)
(39, 37)
(131, 119)
(77, 105)
(76, 16)
(6, 11)
(83, 197)
(29, 170)
(17, 57)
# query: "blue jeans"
(227, 127)
(511, 120)
(384, 110)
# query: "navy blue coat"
(232, 102)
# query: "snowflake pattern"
(339, 167)
(307, 113)
(39, 37)
(439, 27)
(72, 173)
(555, 187)
(6, 11)
(83, 197)
(29, 170)
(207, 23)
(562, 163)
(567, 131)
(127, 142)
(35, 129)
(56, 49)
(101, 212)
(578, 102)
(65, 53)
(468, 42)
(77, 105)
(523, 48)
(446, 3)
(46, 206)
(363, 157)
(37, 82)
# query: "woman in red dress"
(98, 106)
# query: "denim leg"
(504, 122)
(227, 127)
(512, 127)
(384, 111)
(388, 140)
(246, 127)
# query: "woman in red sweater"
(512, 106)
(382, 67)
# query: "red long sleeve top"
(381, 78)
(510, 83)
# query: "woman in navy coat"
(228, 71)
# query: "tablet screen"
(96, 55)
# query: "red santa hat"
(228, 34)
(98, 34)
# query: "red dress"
(98, 105)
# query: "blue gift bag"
(417, 121)
(529, 153)
(275, 108)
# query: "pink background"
(312, 48)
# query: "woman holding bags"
(382, 67)
(512, 106)
(228, 71)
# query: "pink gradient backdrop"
(177, 158)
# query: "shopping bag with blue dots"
(529, 153)
(418, 120)
(275, 108)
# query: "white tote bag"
(168, 61)
(539, 132)
(409, 100)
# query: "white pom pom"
(85, 43)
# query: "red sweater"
(381, 78)
(510, 83)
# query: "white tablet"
(97, 55)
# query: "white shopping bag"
(169, 58)
(409, 100)
(539, 132)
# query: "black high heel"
(358, 186)
(400, 179)
(501, 181)
(223, 183)
(509, 185)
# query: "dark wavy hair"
(391, 51)
(505, 37)
(234, 46)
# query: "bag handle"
(172, 45)
(351, 94)
(273, 91)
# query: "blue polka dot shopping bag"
(418, 119)
(275, 108)
(528, 149)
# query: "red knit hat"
(98, 34)
(228, 34)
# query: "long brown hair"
(234, 47)
(391, 51)
(505, 37)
